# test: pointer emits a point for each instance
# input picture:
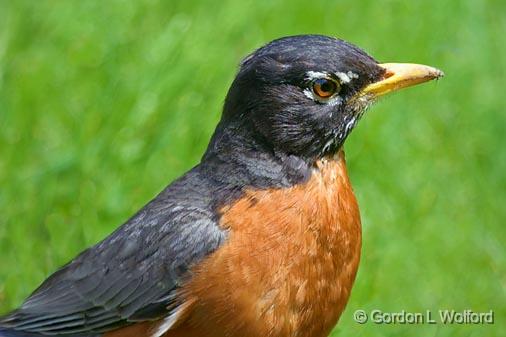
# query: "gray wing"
(130, 276)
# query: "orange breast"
(288, 266)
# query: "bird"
(262, 237)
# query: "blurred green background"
(102, 103)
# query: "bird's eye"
(325, 88)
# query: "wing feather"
(132, 275)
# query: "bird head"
(303, 95)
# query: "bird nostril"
(388, 74)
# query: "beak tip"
(438, 73)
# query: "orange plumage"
(288, 266)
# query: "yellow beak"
(401, 75)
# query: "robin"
(261, 238)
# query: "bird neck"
(238, 157)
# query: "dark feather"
(133, 274)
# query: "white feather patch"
(169, 321)
(346, 77)
(313, 75)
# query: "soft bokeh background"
(104, 103)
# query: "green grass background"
(102, 103)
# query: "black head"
(299, 97)
(297, 93)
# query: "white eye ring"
(325, 95)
